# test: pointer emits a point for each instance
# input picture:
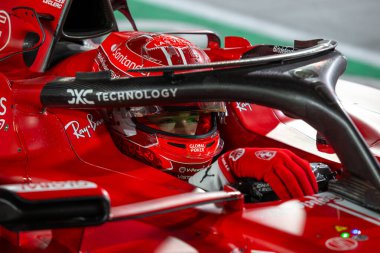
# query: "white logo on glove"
(236, 154)
(265, 154)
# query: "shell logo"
(5, 29)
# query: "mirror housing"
(58, 204)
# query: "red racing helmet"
(181, 139)
(133, 50)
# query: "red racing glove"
(289, 175)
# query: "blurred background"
(354, 24)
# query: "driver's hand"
(289, 175)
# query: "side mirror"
(58, 204)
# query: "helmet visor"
(143, 111)
(183, 123)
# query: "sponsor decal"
(263, 187)
(243, 106)
(265, 155)
(50, 186)
(5, 29)
(197, 148)
(80, 96)
(83, 132)
(114, 75)
(319, 200)
(189, 170)
(282, 50)
(114, 47)
(341, 244)
(236, 154)
(183, 177)
(360, 238)
(123, 59)
(101, 61)
(55, 3)
(3, 110)
(104, 62)
(135, 95)
(225, 164)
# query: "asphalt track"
(354, 24)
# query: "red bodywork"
(160, 213)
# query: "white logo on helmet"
(265, 154)
(236, 154)
(114, 47)
(190, 170)
(198, 147)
